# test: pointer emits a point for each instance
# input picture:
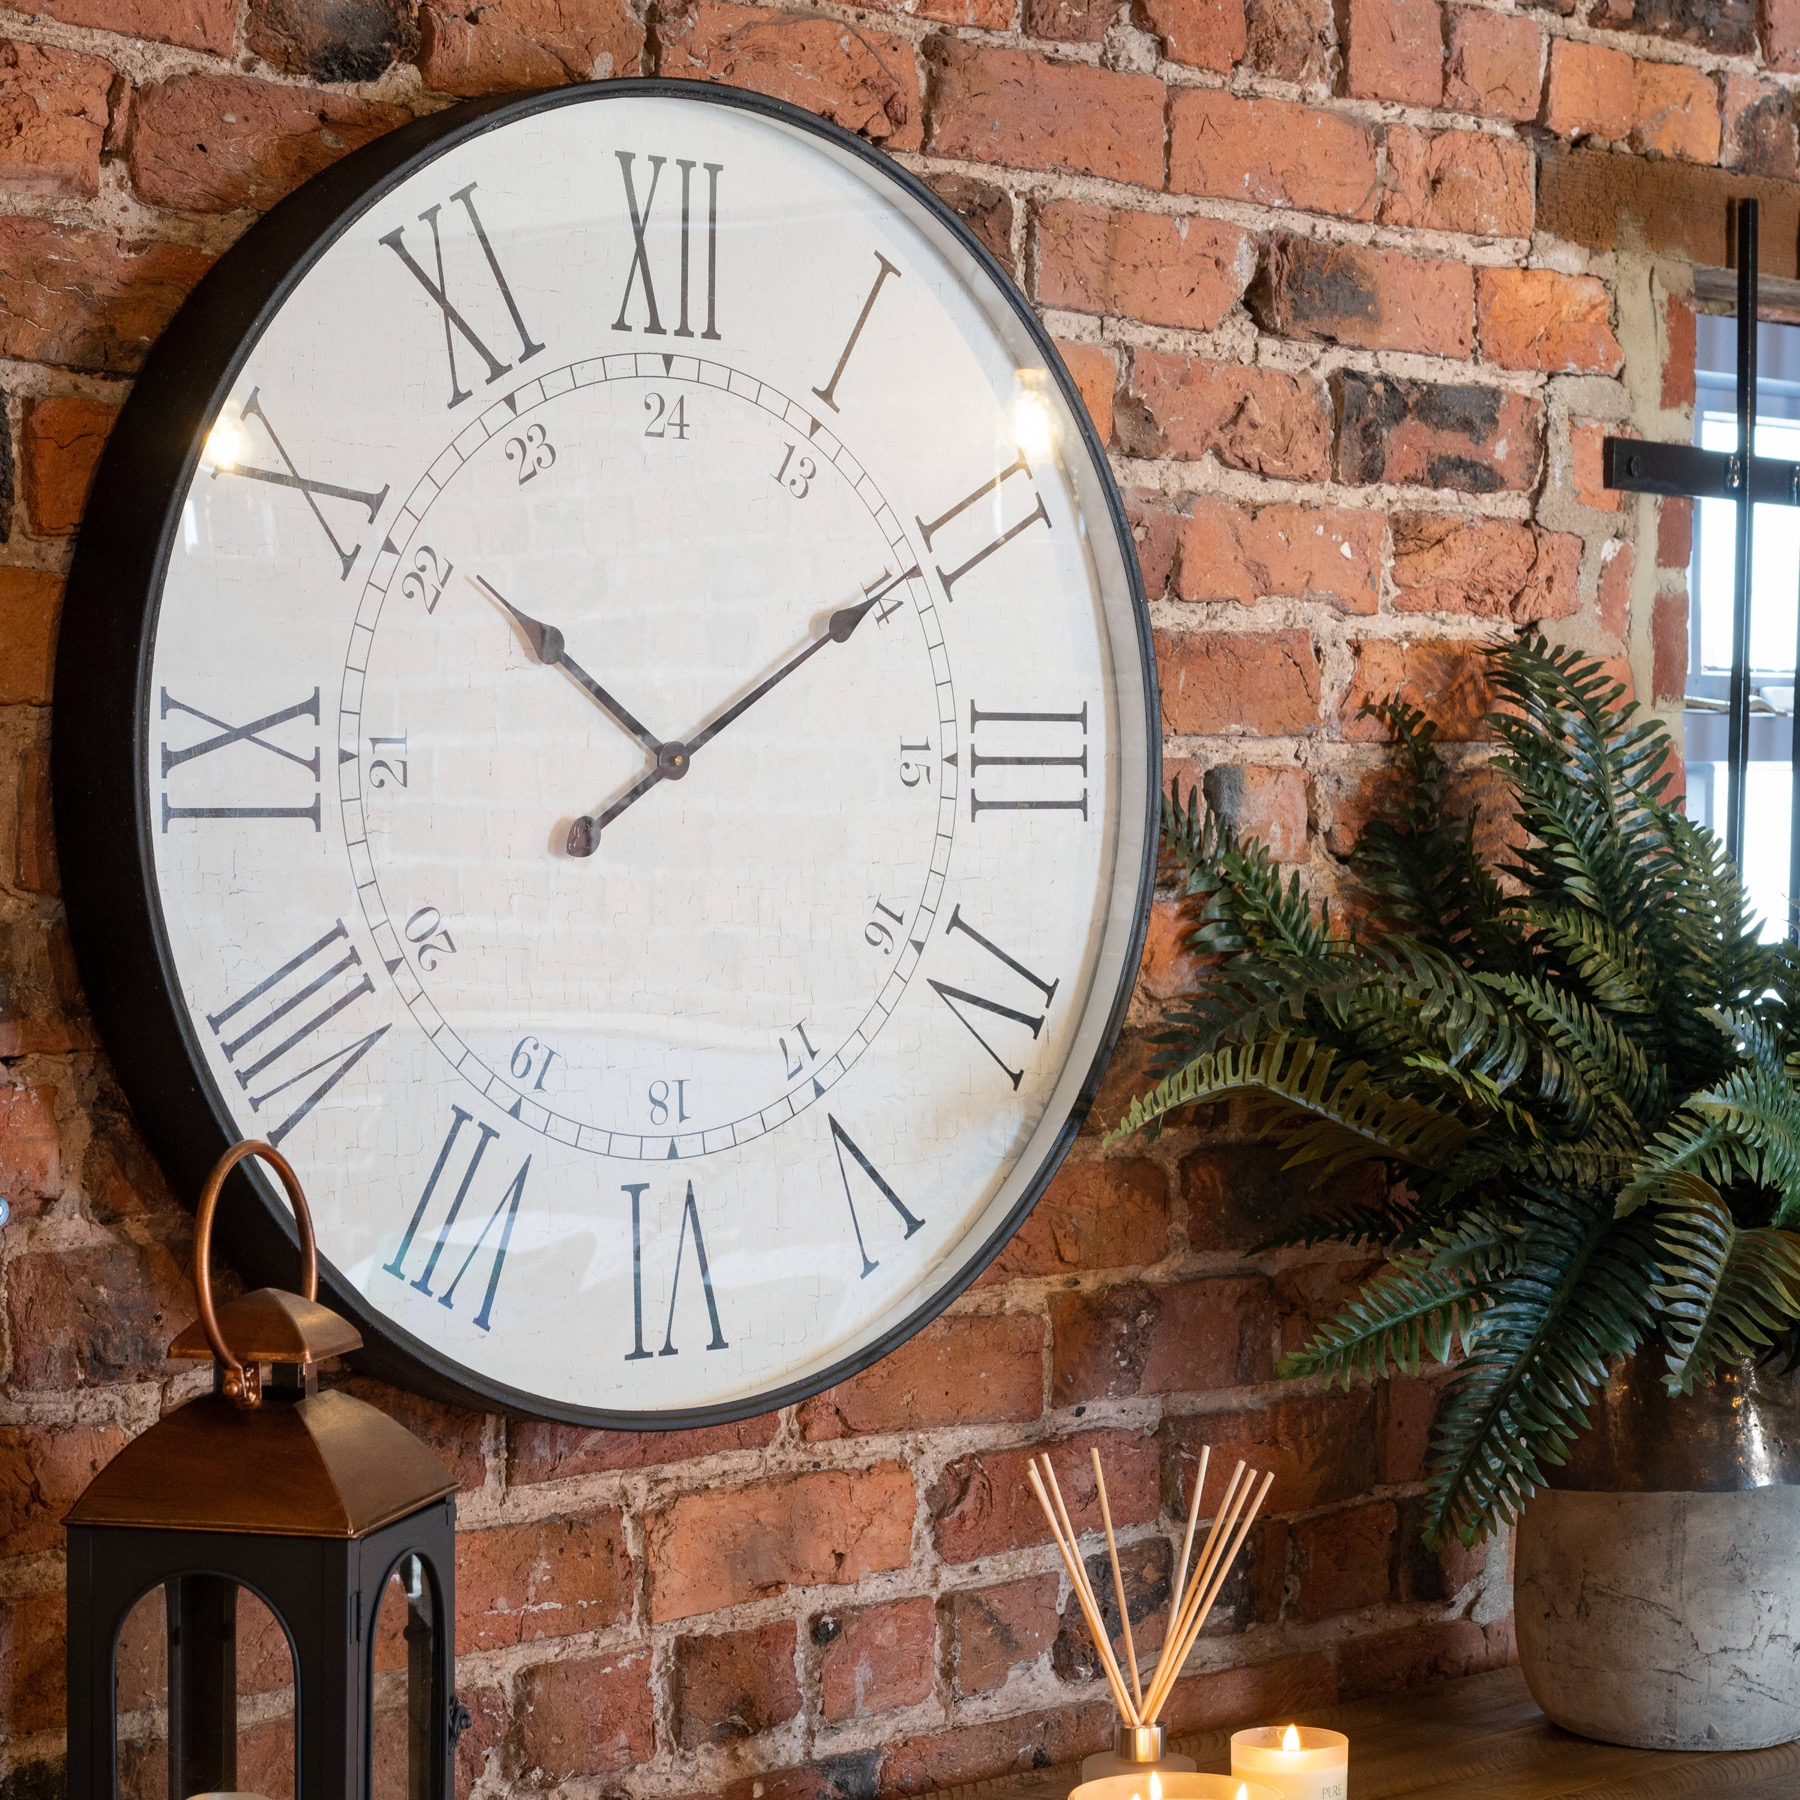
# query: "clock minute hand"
(837, 631)
(674, 759)
(548, 647)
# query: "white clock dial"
(644, 751)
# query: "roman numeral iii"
(639, 277)
(472, 1190)
(961, 1000)
(456, 323)
(280, 1023)
(1017, 741)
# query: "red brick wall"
(1353, 314)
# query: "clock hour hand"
(584, 834)
(547, 646)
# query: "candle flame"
(1243, 1792)
(1155, 1786)
(1290, 1739)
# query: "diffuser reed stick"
(1195, 1589)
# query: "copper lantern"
(268, 1493)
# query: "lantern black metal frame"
(324, 1592)
(1749, 481)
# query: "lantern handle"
(244, 1385)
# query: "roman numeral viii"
(460, 1158)
(222, 737)
(961, 1000)
(965, 525)
(639, 277)
(1017, 741)
(688, 1232)
(269, 1033)
(456, 322)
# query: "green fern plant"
(1580, 1066)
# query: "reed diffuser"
(1138, 1742)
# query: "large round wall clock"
(606, 709)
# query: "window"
(1774, 613)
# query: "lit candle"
(1173, 1785)
(1300, 1762)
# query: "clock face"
(643, 750)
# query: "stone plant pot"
(1656, 1584)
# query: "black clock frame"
(102, 713)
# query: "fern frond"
(1729, 1292)
(1332, 1112)
(1575, 1300)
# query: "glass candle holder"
(1300, 1762)
(1173, 1784)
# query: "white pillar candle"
(1169, 1784)
(1300, 1762)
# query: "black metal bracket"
(1640, 467)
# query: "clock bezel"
(107, 639)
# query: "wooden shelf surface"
(1482, 1738)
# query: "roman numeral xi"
(456, 320)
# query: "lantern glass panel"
(405, 1674)
(250, 1653)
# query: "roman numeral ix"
(690, 1231)
(639, 273)
(455, 321)
(223, 737)
(504, 1211)
(959, 1000)
(280, 1021)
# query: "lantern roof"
(271, 1325)
(327, 1466)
